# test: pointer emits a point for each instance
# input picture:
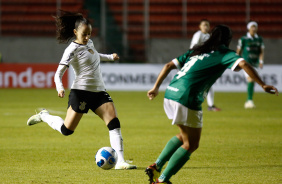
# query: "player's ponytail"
(66, 23)
(220, 35)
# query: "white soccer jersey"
(85, 61)
(199, 37)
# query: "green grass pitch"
(237, 145)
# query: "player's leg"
(250, 92)
(74, 113)
(66, 127)
(210, 101)
(154, 170)
(191, 138)
(72, 119)
(251, 85)
(210, 97)
(180, 115)
(108, 114)
(172, 110)
(172, 145)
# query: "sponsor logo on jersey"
(91, 51)
(172, 88)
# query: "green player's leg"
(191, 139)
(153, 171)
(250, 90)
(172, 145)
(249, 104)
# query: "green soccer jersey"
(198, 73)
(251, 48)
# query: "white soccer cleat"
(125, 166)
(249, 104)
(36, 118)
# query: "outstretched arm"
(163, 74)
(109, 57)
(254, 75)
(58, 80)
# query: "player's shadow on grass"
(141, 168)
(138, 168)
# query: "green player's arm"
(254, 75)
(152, 93)
(163, 74)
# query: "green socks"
(250, 90)
(176, 162)
(173, 144)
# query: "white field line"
(51, 111)
(36, 111)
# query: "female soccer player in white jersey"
(88, 89)
(199, 69)
(198, 38)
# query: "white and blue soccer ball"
(106, 158)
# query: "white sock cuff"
(115, 131)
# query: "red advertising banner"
(29, 75)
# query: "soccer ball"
(106, 158)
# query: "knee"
(65, 131)
(193, 147)
(249, 79)
(179, 137)
(113, 124)
(185, 146)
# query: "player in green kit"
(199, 69)
(251, 47)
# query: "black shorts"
(81, 101)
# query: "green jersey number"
(189, 64)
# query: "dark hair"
(66, 23)
(204, 20)
(220, 35)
